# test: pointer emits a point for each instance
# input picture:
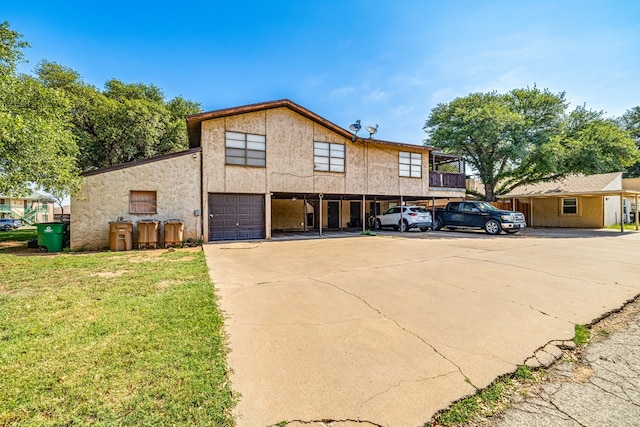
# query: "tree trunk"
(489, 195)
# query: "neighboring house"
(259, 169)
(592, 201)
(62, 214)
(33, 209)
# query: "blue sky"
(384, 62)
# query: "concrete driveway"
(387, 330)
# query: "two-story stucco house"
(255, 170)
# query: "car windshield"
(487, 206)
(418, 209)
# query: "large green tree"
(630, 121)
(526, 136)
(37, 144)
(124, 122)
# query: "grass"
(582, 335)
(125, 338)
(488, 401)
(19, 235)
(626, 227)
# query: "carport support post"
(401, 214)
(320, 219)
(636, 215)
(304, 217)
(621, 213)
(364, 201)
(433, 210)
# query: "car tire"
(403, 226)
(377, 225)
(6, 227)
(437, 225)
(492, 227)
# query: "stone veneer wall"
(105, 198)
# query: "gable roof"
(194, 122)
(572, 185)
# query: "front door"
(355, 215)
(333, 215)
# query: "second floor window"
(245, 149)
(410, 164)
(328, 156)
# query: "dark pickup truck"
(478, 215)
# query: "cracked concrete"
(595, 386)
(387, 331)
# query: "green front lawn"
(125, 338)
(22, 234)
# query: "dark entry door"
(355, 214)
(236, 216)
(333, 215)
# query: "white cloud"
(341, 92)
(376, 95)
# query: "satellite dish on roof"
(355, 128)
(372, 130)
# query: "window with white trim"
(245, 149)
(410, 164)
(570, 206)
(328, 156)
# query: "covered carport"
(319, 212)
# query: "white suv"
(412, 217)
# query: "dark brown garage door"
(236, 216)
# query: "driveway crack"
(326, 422)
(364, 301)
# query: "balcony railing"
(447, 179)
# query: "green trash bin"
(51, 236)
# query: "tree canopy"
(526, 136)
(124, 122)
(37, 145)
(54, 126)
(631, 122)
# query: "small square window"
(570, 206)
(143, 202)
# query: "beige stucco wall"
(105, 197)
(288, 214)
(547, 213)
(370, 167)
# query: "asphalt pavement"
(592, 387)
